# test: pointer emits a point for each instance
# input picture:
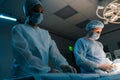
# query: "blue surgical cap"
(94, 24)
(29, 4)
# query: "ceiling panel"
(90, 11)
(65, 12)
(51, 19)
(53, 5)
(85, 7)
(69, 1)
(81, 5)
(76, 19)
(93, 1)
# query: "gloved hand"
(68, 69)
(105, 67)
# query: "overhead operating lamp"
(110, 13)
(6, 17)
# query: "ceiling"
(66, 18)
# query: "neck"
(34, 25)
(88, 37)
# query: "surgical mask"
(36, 18)
(95, 36)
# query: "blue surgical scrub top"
(88, 54)
(32, 50)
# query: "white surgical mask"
(95, 36)
(36, 18)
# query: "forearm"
(85, 63)
(55, 56)
(58, 60)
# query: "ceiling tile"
(80, 5)
(94, 2)
(76, 19)
(90, 11)
(53, 5)
(85, 7)
(69, 1)
(50, 19)
(65, 12)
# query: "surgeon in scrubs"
(89, 54)
(33, 46)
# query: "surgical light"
(9, 18)
(110, 13)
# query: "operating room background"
(6, 57)
(64, 29)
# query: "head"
(94, 29)
(33, 11)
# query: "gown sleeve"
(55, 56)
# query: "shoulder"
(43, 31)
(80, 40)
(17, 27)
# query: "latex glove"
(105, 67)
(68, 69)
(116, 66)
